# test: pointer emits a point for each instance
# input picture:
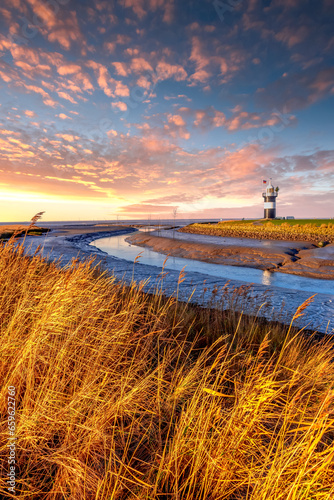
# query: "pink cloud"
(177, 120)
(139, 65)
(110, 86)
(142, 7)
(47, 100)
(120, 89)
(120, 105)
(110, 47)
(61, 27)
(112, 132)
(165, 71)
(62, 116)
(197, 54)
(68, 69)
(298, 90)
(207, 61)
(201, 76)
(48, 85)
(68, 137)
(29, 113)
(136, 5)
(169, 11)
(103, 77)
(123, 39)
(132, 52)
(33, 71)
(4, 77)
(291, 36)
(66, 96)
(240, 120)
(25, 54)
(5, 14)
(143, 82)
(8, 132)
(120, 68)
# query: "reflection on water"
(266, 278)
(118, 247)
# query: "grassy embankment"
(125, 395)
(319, 231)
(6, 232)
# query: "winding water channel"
(286, 289)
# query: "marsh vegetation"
(127, 395)
(319, 231)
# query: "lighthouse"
(270, 196)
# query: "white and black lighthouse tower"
(270, 196)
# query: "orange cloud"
(112, 132)
(207, 62)
(68, 137)
(110, 47)
(66, 96)
(68, 69)
(120, 68)
(139, 65)
(8, 132)
(120, 105)
(47, 100)
(144, 82)
(58, 26)
(110, 86)
(142, 7)
(177, 120)
(165, 70)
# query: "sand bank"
(300, 258)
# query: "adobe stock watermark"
(11, 474)
(266, 135)
(227, 6)
(30, 27)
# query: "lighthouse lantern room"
(270, 196)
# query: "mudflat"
(292, 257)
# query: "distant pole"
(174, 217)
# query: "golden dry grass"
(125, 395)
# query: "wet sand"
(291, 257)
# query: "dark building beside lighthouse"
(270, 196)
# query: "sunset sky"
(133, 108)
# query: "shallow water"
(272, 295)
(118, 247)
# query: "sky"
(148, 108)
